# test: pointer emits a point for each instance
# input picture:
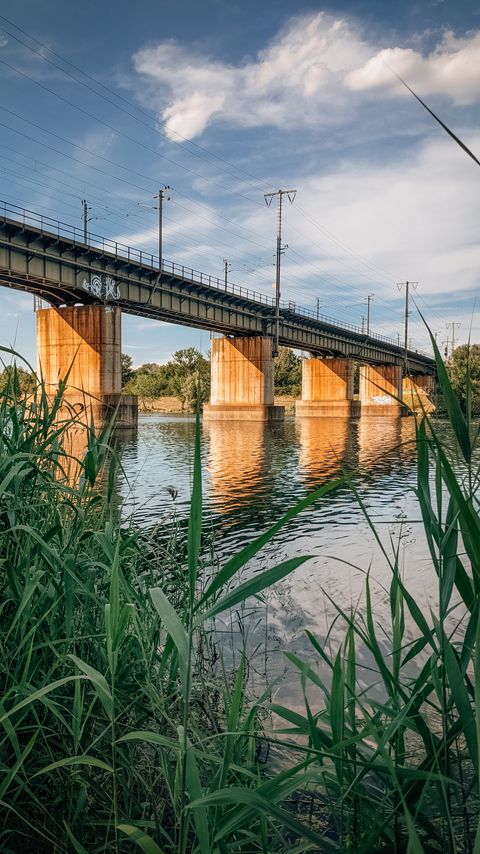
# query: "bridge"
(88, 284)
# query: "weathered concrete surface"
(83, 344)
(416, 393)
(242, 381)
(243, 413)
(379, 386)
(327, 389)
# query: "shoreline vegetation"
(122, 728)
(171, 405)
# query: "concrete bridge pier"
(327, 389)
(84, 342)
(417, 390)
(242, 381)
(379, 386)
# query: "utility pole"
(407, 286)
(159, 196)
(453, 324)
(159, 208)
(369, 299)
(318, 308)
(363, 324)
(86, 219)
(445, 352)
(226, 270)
(280, 250)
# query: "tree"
(191, 377)
(127, 368)
(151, 380)
(466, 359)
(18, 380)
(187, 376)
(288, 372)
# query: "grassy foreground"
(117, 732)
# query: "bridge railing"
(122, 251)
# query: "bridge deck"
(51, 260)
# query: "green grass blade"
(252, 587)
(195, 517)
(173, 625)
(244, 555)
(148, 845)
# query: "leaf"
(462, 702)
(252, 587)
(455, 414)
(262, 805)
(449, 551)
(150, 738)
(99, 683)
(10, 774)
(37, 695)
(195, 517)
(146, 843)
(90, 761)
(249, 551)
(173, 625)
(200, 816)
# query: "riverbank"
(171, 404)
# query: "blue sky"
(226, 101)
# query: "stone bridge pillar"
(242, 380)
(327, 388)
(84, 342)
(379, 386)
(417, 389)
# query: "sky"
(224, 102)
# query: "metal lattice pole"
(279, 194)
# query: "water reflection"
(236, 462)
(378, 439)
(323, 447)
(253, 473)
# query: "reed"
(118, 731)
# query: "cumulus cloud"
(296, 75)
(311, 73)
(419, 222)
(451, 69)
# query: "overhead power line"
(153, 129)
(41, 55)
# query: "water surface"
(252, 474)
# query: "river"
(252, 473)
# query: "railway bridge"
(82, 287)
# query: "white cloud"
(419, 222)
(304, 64)
(413, 218)
(451, 69)
(311, 73)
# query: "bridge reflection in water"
(324, 444)
(254, 465)
(237, 462)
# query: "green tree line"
(187, 376)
